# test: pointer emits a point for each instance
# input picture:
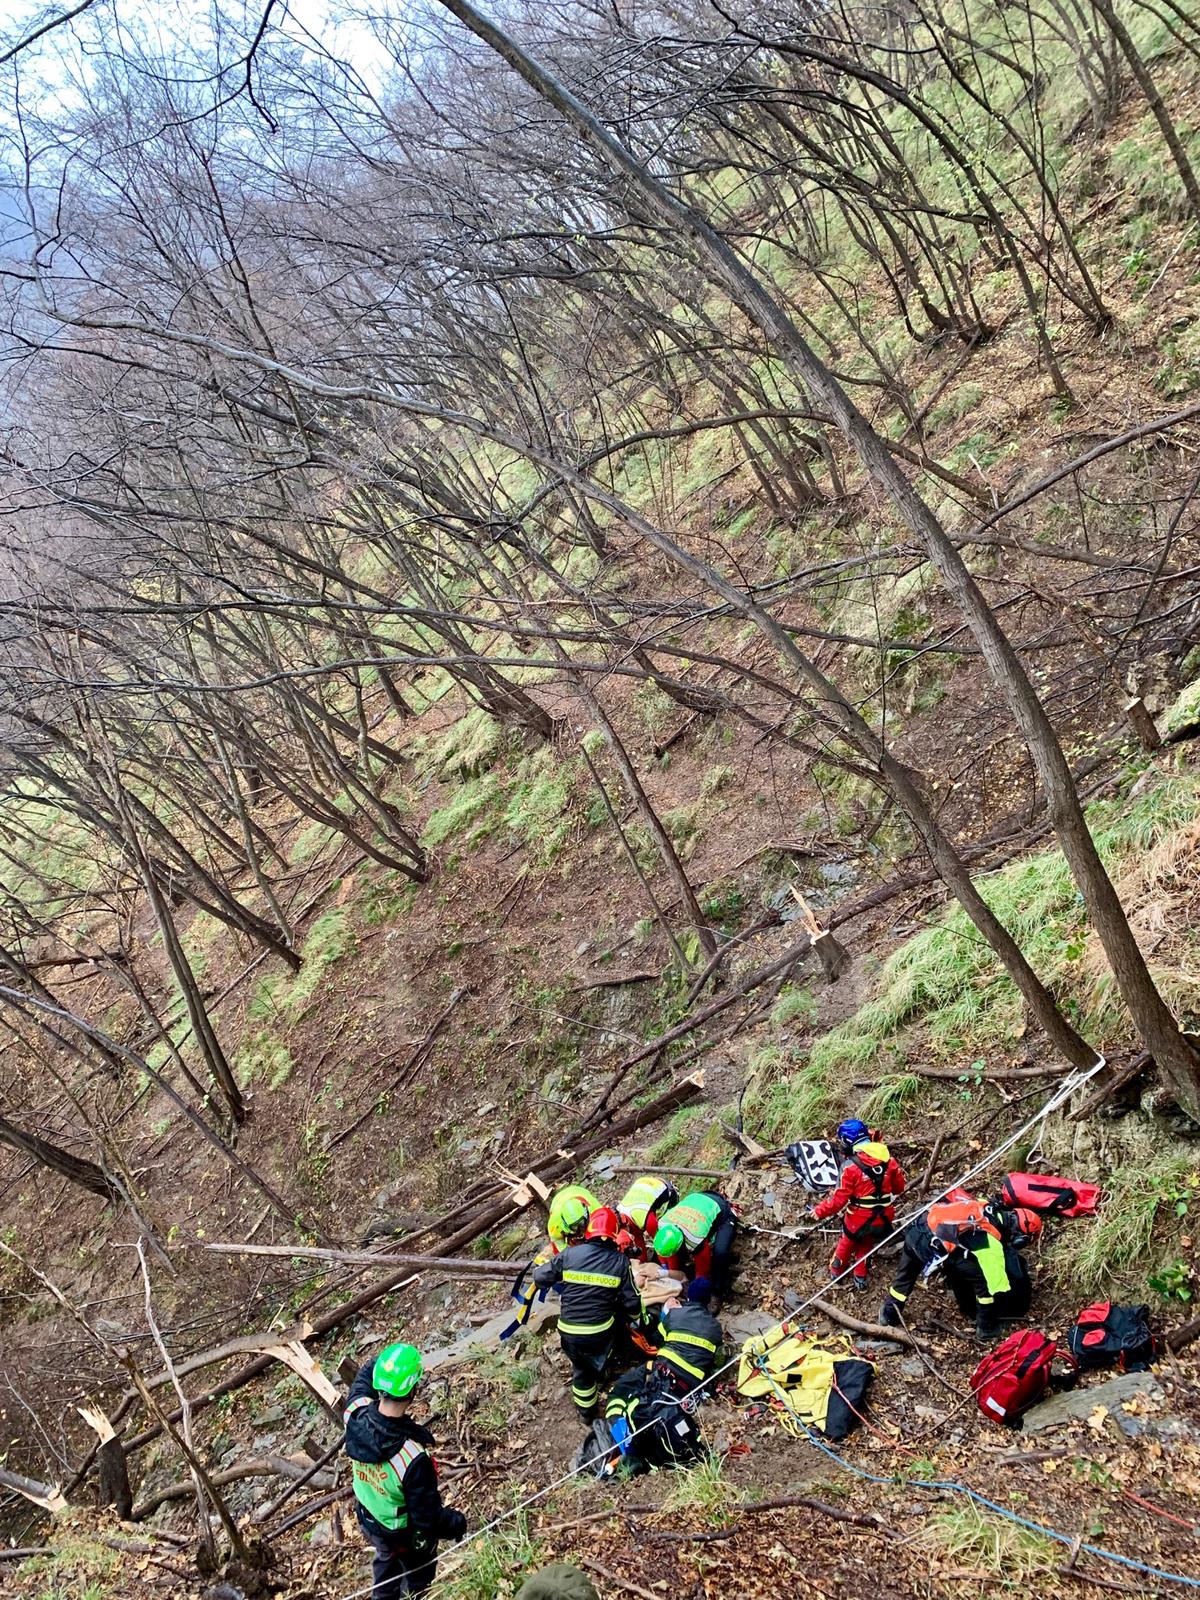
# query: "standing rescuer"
(866, 1197)
(697, 1237)
(596, 1280)
(398, 1502)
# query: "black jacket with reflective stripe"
(597, 1285)
(691, 1341)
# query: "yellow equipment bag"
(820, 1381)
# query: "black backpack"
(1107, 1335)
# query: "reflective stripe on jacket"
(379, 1485)
(695, 1216)
(596, 1281)
(691, 1341)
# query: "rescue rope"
(953, 1486)
(1070, 1084)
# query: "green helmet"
(397, 1370)
(668, 1241)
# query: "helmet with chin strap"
(852, 1132)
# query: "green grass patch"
(263, 1059)
(280, 998)
(890, 1098)
(464, 807)
(972, 1537)
(785, 1101)
(493, 1566)
(947, 978)
(679, 1137)
(1185, 710)
(1142, 1189)
(795, 1003)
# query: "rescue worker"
(570, 1209)
(640, 1207)
(1017, 1227)
(651, 1422)
(696, 1237)
(985, 1273)
(866, 1197)
(689, 1343)
(397, 1500)
(597, 1287)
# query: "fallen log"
(869, 1330)
(47, 1495)
(564, 1162)
(467, 1265)
(1111, 1084)
(1181, 1337)
(256, 1467)
(253, 1369)
(549, 1168)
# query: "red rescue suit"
(866, 1197)
(642, 1237)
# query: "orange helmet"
(604, 1223)
(1028, 1221)
(626, 1243)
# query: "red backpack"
(1040, 1191)
(1014, 1375)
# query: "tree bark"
(1145, 82)
(78, 1170)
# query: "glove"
(889, 1313)
(619, 1428)
(454, 1525)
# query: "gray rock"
(743, 1325)
(1078, 1404)
(912, 1367)
(792, 1300)
(321, 1533)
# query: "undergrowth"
(948, 980)
(978, 1539)
(491, 1567)
(1143, 1184)
(704, 1493)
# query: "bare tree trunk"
(1158, 1028)
(75, 1168)
(1146, 83)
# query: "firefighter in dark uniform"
(599, 1300)
(689, 1342)
(923, 1254)
(398, 1502)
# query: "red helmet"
(626, 1243)
(604, 1223)
(1028, 1221)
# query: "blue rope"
(936, 1484)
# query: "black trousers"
(588, 1354)
(1011, 1306)
(396, 1570)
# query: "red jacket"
(642, 1238)
(866, 1196)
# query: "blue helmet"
(851, 1132)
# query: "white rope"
(1070, 1084)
